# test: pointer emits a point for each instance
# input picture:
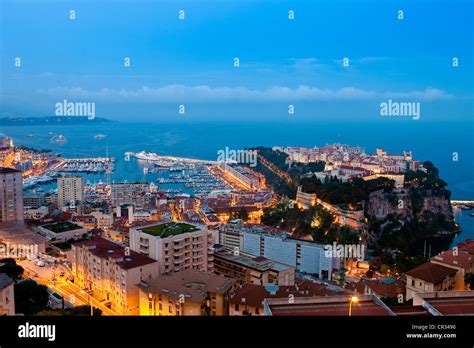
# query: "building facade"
(189, 292)
(307, 257)
(70, 190)
(176, 246)
(11, 195)
(111, 272)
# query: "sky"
(282, 61)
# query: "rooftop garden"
(169, 229)
(63, 226)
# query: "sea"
(448, 144)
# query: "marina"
(87, 165)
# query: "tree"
(243, 214)
(469, 280)
(11, 269)
(30, 297)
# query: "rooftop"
(367, 305)
(431, 272)
(63, 226)
(15, 233)
(447, 302)
(192, 283)
(259, 263)
(253, 295)
(106, 249)
(4, 170)
(168, 229)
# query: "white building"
(175, 245)
(70, 190)
(305, 256)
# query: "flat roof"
(15, 233)
(192, 283)
(367, 305)
(62, 226)
(168, 229)
(258, 263)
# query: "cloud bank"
(205, 93)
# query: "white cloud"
(205, 93)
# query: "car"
(40, 263)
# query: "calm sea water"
(434, 141)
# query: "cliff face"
(421, 215)
(382, 204)
(400, 203)
(436, 204)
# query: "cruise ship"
(147, 156)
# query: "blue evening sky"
(282, 61)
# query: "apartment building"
(136, 194)
(257, 240)
(251, 270)
(188, 292)
(175, 245)
(7, 295)
(430, 277)
(11, 195)
(70, 190)
(111, 272)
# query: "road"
(49, 275)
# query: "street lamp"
(353, 299)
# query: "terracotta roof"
(431, 272)
(453, 305)
(463, 259)
(410, 310)
(327, 306)
(192, 283)
(253, 295)
(106, 249)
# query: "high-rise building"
(135, 194)
(11, 195)
(70, 189)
